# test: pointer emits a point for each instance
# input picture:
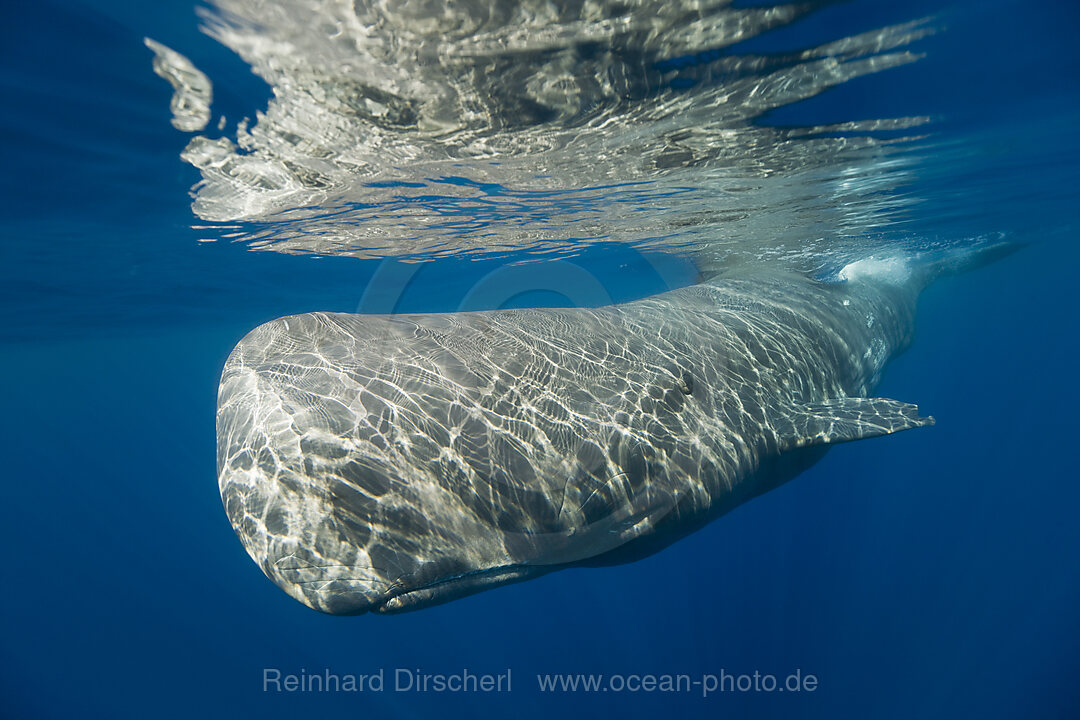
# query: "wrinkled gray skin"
(389, 463)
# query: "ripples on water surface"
(504, 132)
(425, 129)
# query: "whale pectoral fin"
(846, 419)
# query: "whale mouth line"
(449, 588)
(388, 597)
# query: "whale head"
(383, 463)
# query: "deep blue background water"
(933, 573)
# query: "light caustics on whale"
(390, 462)
(387, 463)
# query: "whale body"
(391, 462)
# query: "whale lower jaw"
(443, 591)
(344, 590)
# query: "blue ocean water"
(932, 573)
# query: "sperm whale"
(391, 462)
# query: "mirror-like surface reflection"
(427, 129)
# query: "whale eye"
(686, 384)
